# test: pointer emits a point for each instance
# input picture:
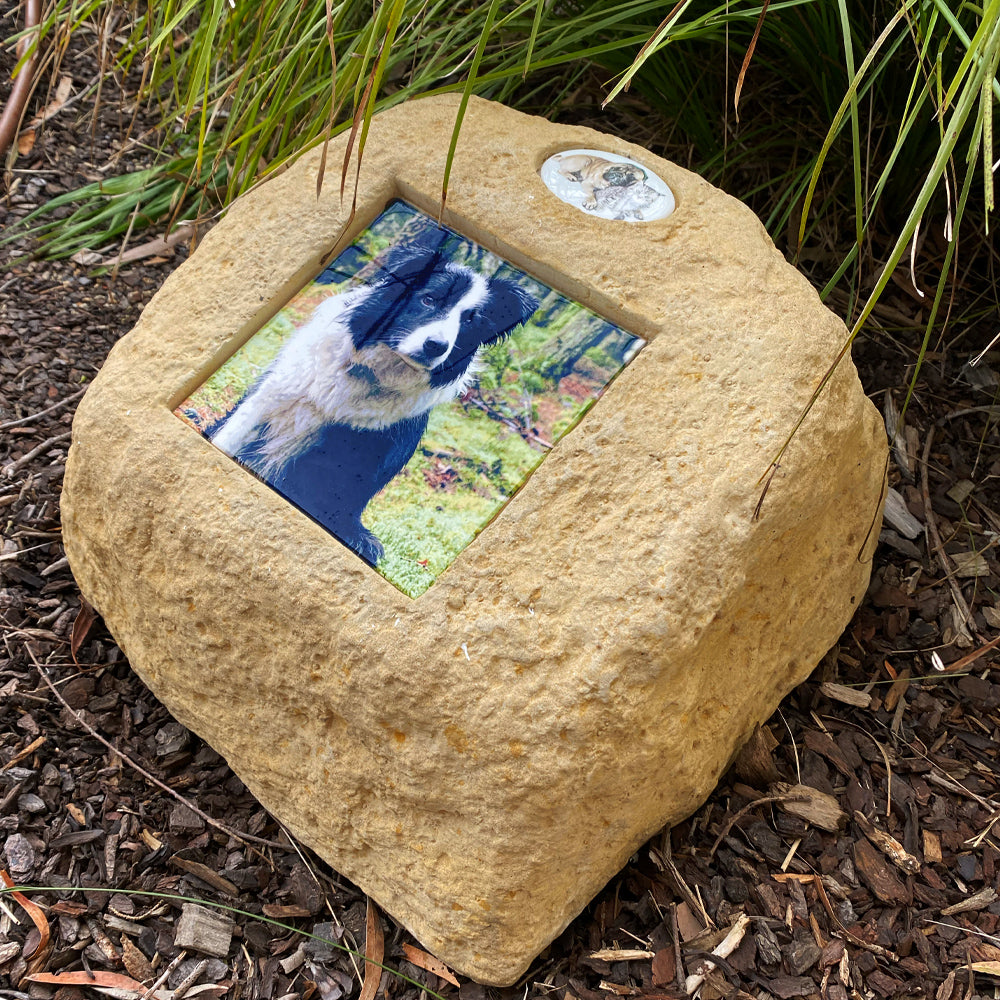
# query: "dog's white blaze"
(445, 329)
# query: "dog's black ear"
(510, 305)
(415, 257)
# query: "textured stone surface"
(482, 759)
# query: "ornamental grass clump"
(855, 130)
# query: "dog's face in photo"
(433, 314)
(623, 174)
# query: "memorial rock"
(482, 757)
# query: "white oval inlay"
(607, 185)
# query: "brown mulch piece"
(138, 881)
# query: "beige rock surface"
(483, 758)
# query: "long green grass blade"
(651, 46)
(845, 105)
(967, 98)
(225, 908)
(466, 94)
(845, 23)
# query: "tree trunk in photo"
(577, 341)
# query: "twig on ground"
(972, 657)
(244, 837)
(164, 975)
(723, 949)
(666, 864)
(936, 545)
(12, 556)
(9, 470)
(875, 949)
(526, 433)
(676, 935)
(41, 413)
(736, 817)
(955, 786)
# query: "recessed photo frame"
(404, 395)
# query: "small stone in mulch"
(802, 955)
(19, 853)
(185, 820)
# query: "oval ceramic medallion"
(607, 185)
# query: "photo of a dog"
(596, 173)
(344, 405)
(607, 186)
(403, 396)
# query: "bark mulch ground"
(851, 850)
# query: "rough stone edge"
(440, 941)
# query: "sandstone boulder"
(482, 759)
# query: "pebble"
(20, 854)
(31, 803)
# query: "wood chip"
(989, 968)
(729, 944)
(26, 752)
(888, 845)
(899, 516)
(203, 930)
(977, 902)
(102, 941)
(970, 564)
(880, 878)
(961, 490)
(812, 805)
(280, 911)
(755, 762)
(787, 987)
(293, 961)
(664, 967)
(621, 989)
(689, 926)
(849, 696)
(206, 875)
(150, 841)
(824, 744)
(932, 847)
(113, 923)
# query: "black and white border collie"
(343, 406)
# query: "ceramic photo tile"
(404, 396)
(607, 185)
